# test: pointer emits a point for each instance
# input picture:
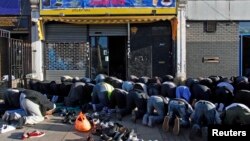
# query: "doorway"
(108, 56)
(117, 56)
(151, 49)
(245, 53)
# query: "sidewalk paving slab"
(55, 130)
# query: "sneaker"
(6, 128)
(35, 134)
(176, 128)
(133, 116)
(204, 133)
(165, 125)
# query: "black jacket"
(38, 98)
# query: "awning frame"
(106, 20)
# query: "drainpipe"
(36, 44)
(181, 41)
(128, 51)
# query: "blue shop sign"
(10, 7)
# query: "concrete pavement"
(55, 130)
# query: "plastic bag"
(82, 124)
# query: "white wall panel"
(218, 10)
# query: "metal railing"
(15, 57)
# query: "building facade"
(184, 38)
(215, 41)
(116, 37)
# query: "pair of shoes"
(20, 123)
(176, 128)
(33, 134)
(133, 116)
(6, 128)
(70, 118)
(165, 125)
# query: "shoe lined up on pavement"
(7, 128)
(69, 116)
(33, 134)
(108, 130)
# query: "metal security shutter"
(64, 51)
(66, 32)
(108, 30)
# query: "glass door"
(99, 55)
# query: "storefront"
(116, 37)
(15, 38)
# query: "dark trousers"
(135, 99)
(118, 98)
